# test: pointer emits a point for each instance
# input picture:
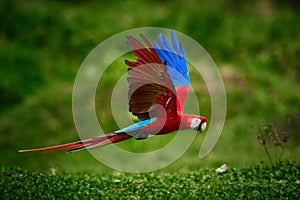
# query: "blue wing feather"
(175, 42)
(136, 126)
(175, 58)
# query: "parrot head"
(198, 123)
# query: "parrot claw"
(141, 136)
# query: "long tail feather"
(83, 144)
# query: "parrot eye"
(195, 123)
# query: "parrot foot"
(141, 136)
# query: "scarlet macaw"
(158, 86)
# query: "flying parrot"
(158, 86)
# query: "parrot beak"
(201, 127)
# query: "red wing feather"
(149, 82)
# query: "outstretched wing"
(175, 58)
(151, 90)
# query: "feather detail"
(149, 82)
(174, 57)
(83, 144)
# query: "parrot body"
(158, 87)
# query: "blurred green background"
(255, 45)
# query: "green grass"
(255, 45)
(279, 182)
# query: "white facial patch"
(195, 123)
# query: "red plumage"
(84, 144)
(152, 97)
